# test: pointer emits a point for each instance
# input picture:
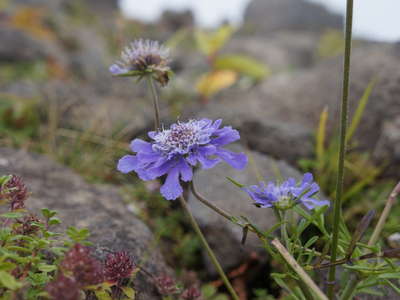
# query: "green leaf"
(239, 185)
(360, 110)
(12, 215)
(54, 221)
(210, 43)
(321, 133)
(47, 213)
(242, 64)
(46, 268)
(129, 292)
(208, 291)
(8, 281)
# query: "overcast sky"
(375, 19)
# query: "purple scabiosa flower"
(287, 194)
(85, 269)
(117, 266)
(144, 57)
(63, 287)
(175, 151)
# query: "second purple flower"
(175, 151)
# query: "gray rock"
(266, 16)
(223, 236)
(283, 50)
(291, 104)
(16, 45)
(99, 208)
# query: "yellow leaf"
(211, 83)
(242, 64)
(211, 42)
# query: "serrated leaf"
(211, 83)
(242, 64)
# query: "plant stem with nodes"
(150, 82)
(211, 254)
(342, 148)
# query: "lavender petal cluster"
(287, 194)
(143, 57)
(176, 150)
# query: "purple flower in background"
(287, 194)
(144, 57)
(175, 151)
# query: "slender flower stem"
(208, 249)
(209, 204)
(350, 288)
(154, 93)
(298, 269)
(342, 150)
(382, 219)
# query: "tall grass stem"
(342, 148)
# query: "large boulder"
(100, 208)
(285, 109)
(223, 236)
(266, 16)
(280, 51)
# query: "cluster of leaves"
(225, 69)
(38, 263)
(362, 175)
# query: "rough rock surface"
(285, 110)
(223, 236)
(266, 16)
(19, 46)
(280, 51)
(99, 208)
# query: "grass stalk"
(342, 148)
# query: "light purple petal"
(117, 70)
(185, 170)
(172, 189)
(226, 136)
(235, 160)
(312, 203)
(138, 145)
(127, 164)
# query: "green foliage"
(19, 119)
(331, 44)
(361, 173)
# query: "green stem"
(350, 289)
(342, 148)
(284, 233)
(154, 93)
(208, 249)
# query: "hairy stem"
(208, 249)
(298, 269)
(342, 148)
(386, 211)
(209, 204)
(154, 93)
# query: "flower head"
(118, 265)
(15, 192)
(63, 287)
(175, 151)
(85, 269)
(166, 285)
(191, 293)
(143, 57)
(287, 194)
